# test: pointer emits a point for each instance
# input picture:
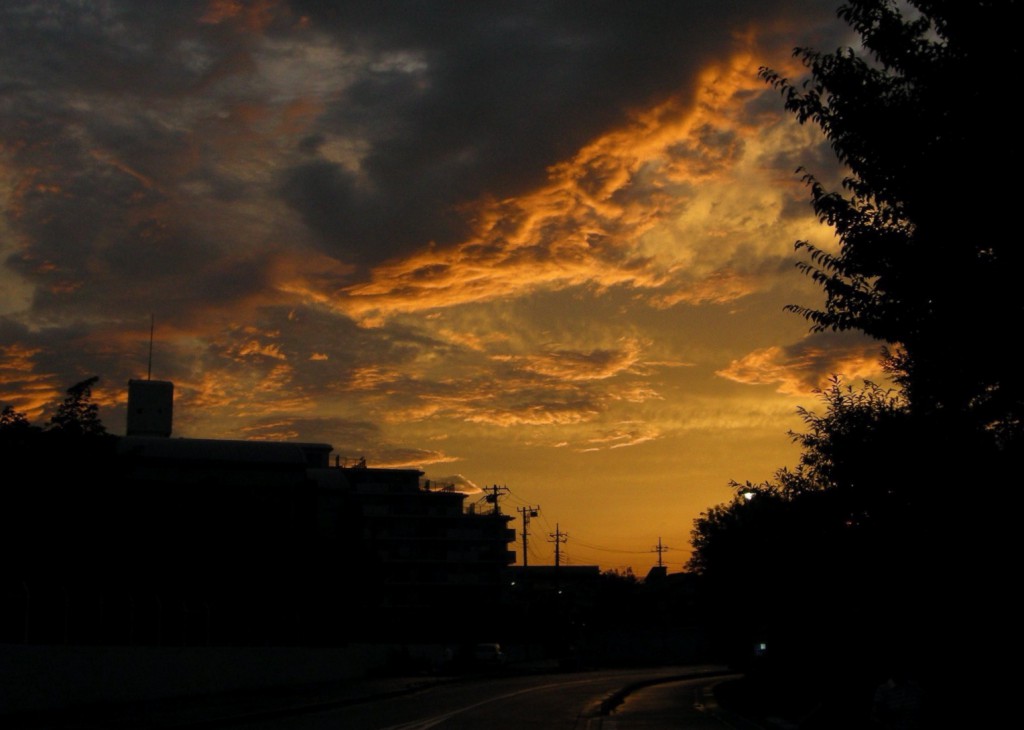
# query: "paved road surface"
(682, 704)
(651, 699)
(551, 702)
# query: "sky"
(545, 245)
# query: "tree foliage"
(869, 420)
(77, 415)
(845, 552)
(925, 262)
(13, 421)
(856, 470)
(826, 563)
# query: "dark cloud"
(301, 333)
(133, 134)
(115, 103)
(116, 47)
(243, 170)
(147, 268)
(366, 226)
(480, 98)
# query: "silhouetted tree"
(883, 516)
(843, 446)
(825, 563)
(926, 262)
(77, 415)
(13, 421)
(838, 473)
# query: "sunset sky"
(545, 245)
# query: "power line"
(515, 498)
(608, 549)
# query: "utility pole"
(527, 512)
(558, 537)
(660, 549)
(491, 497)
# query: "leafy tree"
(77, 415)
(851, 547)
(925, 262)
(856, 422)
(826, 562)
(12, 421)
(837, 475)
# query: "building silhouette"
(151, 539)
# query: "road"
(686, 704)
(549, 702)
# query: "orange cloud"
(717, 288)
(20, 386)
(372, 377)
(276, 431)
(108, 159)
(634, 394)
(406, 458)
(253, 16)
(457, 482)
(806, 366)
(223, 393)
(677, 205)
(477, 342)
(630, 433)
(578, 366)
(257, 348)
(298, 115)
(535, 414)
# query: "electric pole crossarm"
(558, 537)
(660, 549)
(493, 494)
